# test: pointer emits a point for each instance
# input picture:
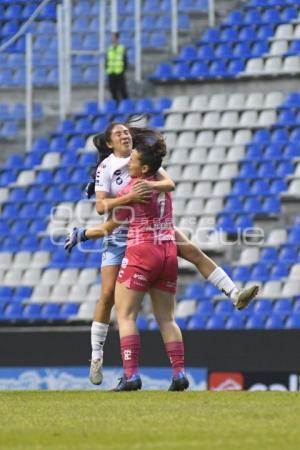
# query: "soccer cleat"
(96, 375)
(134, 383)
(179, 383)
(244, 297)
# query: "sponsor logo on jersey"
(124, 263)
(139, 276)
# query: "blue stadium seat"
(32, 311)
(253, 17)
(260, 272)
(35, 194)
(4, 228)
(280, 136)
(162, 71)
(233, 205)
(266, 169)
(260, 187)
(269, 254)
(28, 211)
(68, 310)
(196, 323)
(255, 321)
(21, 293)
(76, 143)
(204, 308)
(247, 34)
(273, 151)
(13, 311)
(225, 223)
(234, 323)
(211, 36)
(261, 137)
(259, 49)
(54, 194)
(218, 69)
(264, 32)
(224, 51)
(66, 126)
(229, 35)
(18, 195)
(58, 144)
(181, 322)
(263, 307)
(50, 311)
(253, 206)
(284, 168)
(162, 103)
(274, 322)
(73, 194)
(283, 307)
(31, 160)
(10, 211)
(224, 308)
(244, 221)
(100, 124)
(234, 18)
(271, 205)
(288, 253)
(44, 177)
(41, 145)
(30, 243)
(6, 294)
(215, 322)
(271, 16)
(289, 14)
(14, 161)
(37, 226)
(241, 273)
(181, 70)
(240, 188)
(153, 325)
(156, 121)
(10, 244)
(293, 321)
(194, 290)
(199, 70)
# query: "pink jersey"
(149, 222)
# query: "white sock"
(222, 281)
(98, 337)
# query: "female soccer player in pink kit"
(149, 264)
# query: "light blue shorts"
(113, 252)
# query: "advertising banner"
(76, 378)
(253, 381)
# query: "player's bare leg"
(128, 303)
(101, 321)
(213, 273)
(163, 304)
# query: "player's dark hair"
(141, 136)
(153, 154)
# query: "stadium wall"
(216, 350)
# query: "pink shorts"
(147, 266)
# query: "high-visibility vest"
(115, 60)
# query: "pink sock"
(130, 350)
(175, 351)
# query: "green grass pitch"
(149, 420)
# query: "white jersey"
(111, 177)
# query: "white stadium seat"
(13, 277)
(199, 103)
(203, 189)
(174, 121)
(4, 194)
(88, 276)
(51, 160)
(217, 154)
(185, 308)
(40, 294)
(6, 259)
(276, 237)
(40, 260)
(236, 101)
(291, 65)
(78, 293)
(50, 277)
(186, 139)
(86, 311)
(191, 172)
(205, 138)
(279, 47)
(224, 137)
(249, 255)
(22, 260)
(192, 121)
(271, 289)
(25, 177)
(68, 277)
(285, 31)
(255, 100)
(59, 293)
(254, 66)
(31, 277)
(217, 102)
(181, 103)
(295, 272)
(273, 65)
(198, 155)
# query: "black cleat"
(133, 383)
(179, 383)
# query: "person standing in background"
(116, 65)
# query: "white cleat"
(96, 375)
(244, 296)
